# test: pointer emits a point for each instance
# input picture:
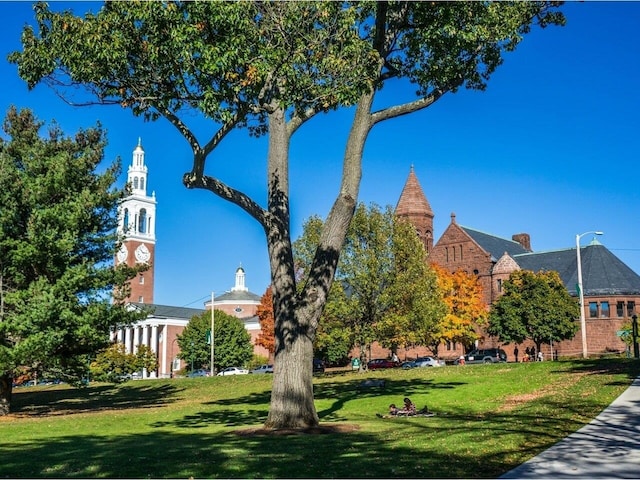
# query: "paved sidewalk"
(608, 447)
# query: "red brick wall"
(457, 251)
(144, 290)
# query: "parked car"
(485, 355)
(423, 362)
(198, 373)
(233, 371)
(263, 369)
(318, 365)
(382, 363)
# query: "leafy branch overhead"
(235, 62)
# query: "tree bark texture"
(6, 390)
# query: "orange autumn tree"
(462, 293)
(266, 338)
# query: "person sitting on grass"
(393, 410)
(408, 408)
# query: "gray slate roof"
(167, 311)
(238, 296)
(602, 272)
(496, 246)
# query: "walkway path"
(608, 447)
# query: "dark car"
(382, 363)
(318, 365)
(485, 355)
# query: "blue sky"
(550, 149)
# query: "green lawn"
(490, 418)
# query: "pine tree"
(57, 244)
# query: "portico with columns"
(159, 331)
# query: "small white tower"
(240, 286)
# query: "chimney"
(523, 239)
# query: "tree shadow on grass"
(343, 392)
(207, 445)
(41, 401)
(221, 453)
(608, 366)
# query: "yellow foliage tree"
(462, 293)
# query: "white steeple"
(137, 177)
(138, 210)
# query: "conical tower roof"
(412, 199)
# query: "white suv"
(263, 369)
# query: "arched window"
(125, 226)
(142, 221)
(141, 183)
(135, 183)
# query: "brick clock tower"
(136, 225)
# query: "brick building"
(159, 331)
(611, 289)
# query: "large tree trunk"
(297, 313)
(6, 389)
(292, 401)
(292, 394)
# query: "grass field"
(490, 418)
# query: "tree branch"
(407, 108)
(193, 180)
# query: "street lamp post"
(212, 336)
(583, 321)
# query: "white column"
(165, 336)
(119, 333)
(136, 339)
(145, 342)
(154, 346)
(127, 339)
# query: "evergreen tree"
(57, 245)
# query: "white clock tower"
(136, 225)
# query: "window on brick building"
(620, 309)
(446, 251)
(460, 252)
(604, 309)
(593, 309)
(631, 308)
(141, 279)
(140, 299)
(499, 285)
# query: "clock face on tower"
(122, 253)
(142, 253)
